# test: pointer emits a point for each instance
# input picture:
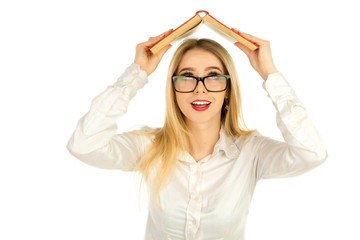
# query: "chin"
(202, 118)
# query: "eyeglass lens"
(212, 83)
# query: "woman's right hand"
(146, 59)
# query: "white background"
(56, 56)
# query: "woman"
(202, 166)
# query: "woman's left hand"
(260, 59)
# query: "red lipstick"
(200, 105)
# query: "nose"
(200, 88)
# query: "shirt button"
(193, 222)
(196, 197)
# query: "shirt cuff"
(277, 86)
(134, 76)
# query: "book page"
(219, 32)
(188, 33)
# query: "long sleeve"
(303, 148)
(95, 140)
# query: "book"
(199, 18)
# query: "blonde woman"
(202, 166)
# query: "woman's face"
(200, 63)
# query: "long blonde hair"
(159, 163)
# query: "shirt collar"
(225, 144)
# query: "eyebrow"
(186, 69)
(207, 69)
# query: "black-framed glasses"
(212, 83)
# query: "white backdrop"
(56, 56)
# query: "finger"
(153, 40)
(260, 42)
(251, 37)
(163, 51)
(243, 48)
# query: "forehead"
(199, 59)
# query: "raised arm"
(95, 140)
(303, 148)
(261, 59)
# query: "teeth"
(201, 103)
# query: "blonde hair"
(159, 163)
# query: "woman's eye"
(213, 73)
(187, 74)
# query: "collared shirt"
(208, 199)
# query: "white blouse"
(208, 199)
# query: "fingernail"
(237, 30)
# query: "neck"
(203, 140)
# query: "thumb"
(243, 48)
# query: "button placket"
(195, 203)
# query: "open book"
(194, 22)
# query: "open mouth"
(200, 105)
